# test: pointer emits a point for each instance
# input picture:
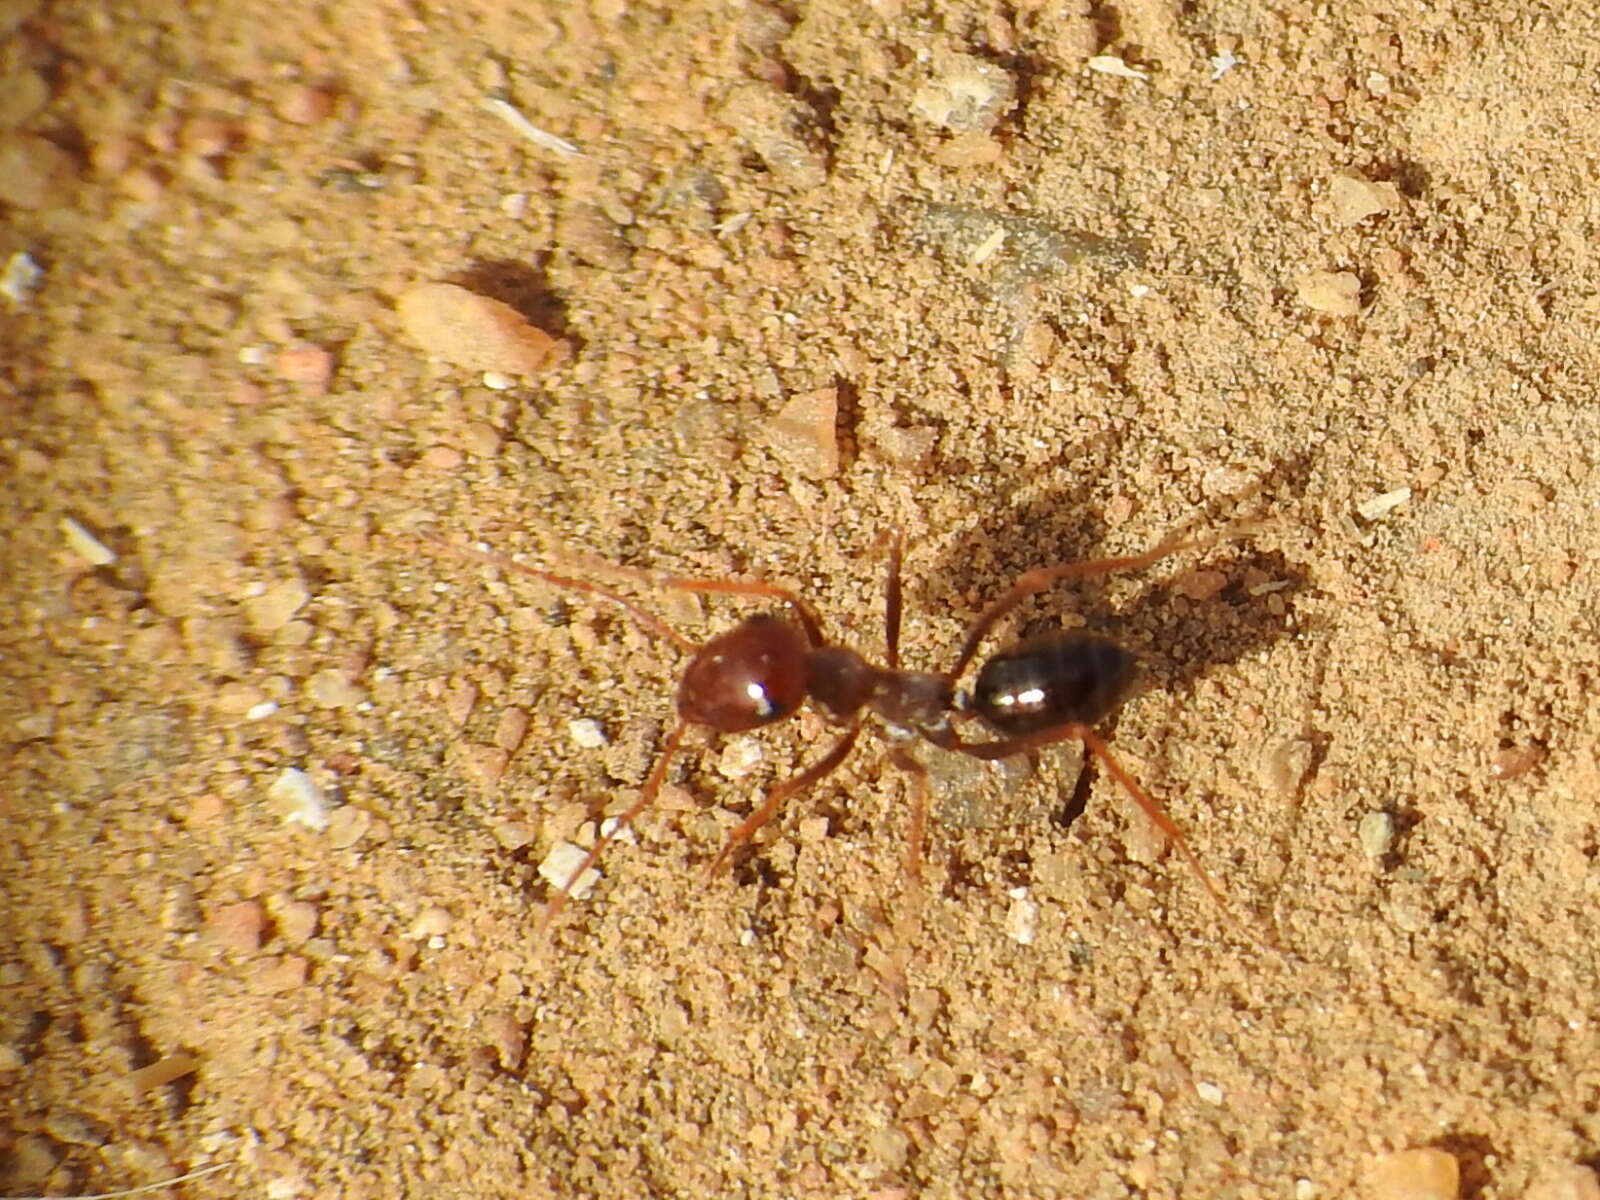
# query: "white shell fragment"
(1374, 508)
(19, 279)
(85, 545)
(1375, 832)
(539, 137)
(1110, 64)
(557, 868)
(586, 733)
(296, 798)
(1022, 917)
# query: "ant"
(1042, 690)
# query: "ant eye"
(751, 676)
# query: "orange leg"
(1006, 747)
(1032, 582)
(658, 775)
(782, 791)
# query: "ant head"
(751, 676)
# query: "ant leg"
(754, 587)
(1158, 815)
(648, 619)
(1037, 580)
(1096, 745)
(891, 602)
(652, 786)
(782, 791)
(919, 811)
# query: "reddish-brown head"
(751, 676)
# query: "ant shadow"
(1177, 639)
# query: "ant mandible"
(1042, 690)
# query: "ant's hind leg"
(1096, 745)
(917, 833)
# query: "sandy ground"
(1253, 270)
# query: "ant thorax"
(913, 703)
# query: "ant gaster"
(1042, 690)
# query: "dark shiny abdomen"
(1057, 679)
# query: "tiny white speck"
(1110, 64)
(260, 712)
(1209, 1092)
(586, 732)
(20, 277)
(1222, 63)
(85, 545)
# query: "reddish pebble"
(281, 974)
(309, 368)
(805, 433)
(474, 332)
(238, 926)
(302, 105)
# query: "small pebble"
(1375, 507)
(347, 825)
(433, 921)
(297, 921)
(485, 764)
(1376, 834)
(332, 689)
(441, 459)
(238, 926)
(513, 835)
(206, 808)
(1209, 1092)
(1421, 1174)
(805, 435)
(1565, 1181)
(1337, 293)
(1022, 917)
(310, 368)
(302, 105)
(511, 728)
(1352, 198)
(507, 1036)
(275, 607)
(586, 733)
(558, 866)
(284, 974)
(739, 758)
(296, 798)
(1285, 763)
(474, 332)
(966, 95)
(237, 698)
(20, 278)
(34, 173)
